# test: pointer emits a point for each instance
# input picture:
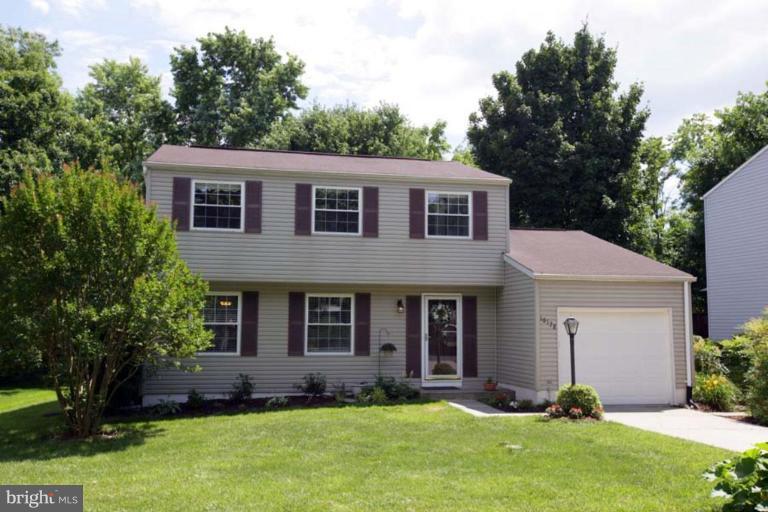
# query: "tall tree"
(230, 89)
(38, 127)
(559, 129)
(125, 103)
(92, 281)
(348, 129)
(707, 151)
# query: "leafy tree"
(349, 129)
(568, 141)
(38, 127)
(706, 151)
(90, 279)
(231, 89)
(463, 153)
(125, 103)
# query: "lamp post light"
(572, 327)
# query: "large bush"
(742, 481)
(757, 376)
(715, 391)
(92, 283)
(707, 357)
(737, 355)
(580, 396)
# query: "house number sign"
(552, 324)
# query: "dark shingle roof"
(579, 254)
(318, 162)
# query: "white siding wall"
(273, 371)
(517, 330)
(277, 255)
(736, 227)
(554, 294)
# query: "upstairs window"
(448, 214)
(217, 205)
(329, 324)
(221, 315)
(336, 210)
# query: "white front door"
(442, 350)
(626, 354)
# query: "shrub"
(554, 411)
(743, 480)
(195, 400)
(706, 356)
(525, 404)
(166, 408)
(277, 402)
(379, 396)
(575, 413)
(313, 385)
(737, 355)
(715, 391)
(242, 389)
(757, 384)
(396, 390)
(579, 396)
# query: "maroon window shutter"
(253, 207)
(416, 202)
(479, 215)
(182, 195)
(303, 217)
(362, 324)
(469, 334)
(249, 331)
(413, 336)
(295, 324)
(371, 212)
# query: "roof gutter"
(543, 276)
(495, 181)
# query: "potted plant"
(490, 384)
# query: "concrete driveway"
(701, 427)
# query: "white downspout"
(688, 339)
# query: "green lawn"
(413, 457)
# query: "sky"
(433, 58)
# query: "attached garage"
(633, 342)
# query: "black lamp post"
(572, 327)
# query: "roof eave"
(543, 276)
(496, 180)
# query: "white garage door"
(625, 354)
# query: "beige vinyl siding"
(736, 229)
(277, 255)
(273, 371)
(517, 330)
(554, 294)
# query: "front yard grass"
(406, 457)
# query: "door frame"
(442, 381)
(670, 335)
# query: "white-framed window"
(337, 210)
(222, 315)
(330, 321)
(217, 205)
(449, 214)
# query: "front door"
(442, 340)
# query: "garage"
(634, 338)
(626, 354)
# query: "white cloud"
(77, 7)
(40, 5)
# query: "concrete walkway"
(722, 432)
(707, 428)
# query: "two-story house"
(317, 261)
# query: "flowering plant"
(575, 413)
(554, 411)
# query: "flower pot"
(489, 386)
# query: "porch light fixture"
(225, 303)
(400, 306)
(572, 327)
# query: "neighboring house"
(315, 261)
(736, 234)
